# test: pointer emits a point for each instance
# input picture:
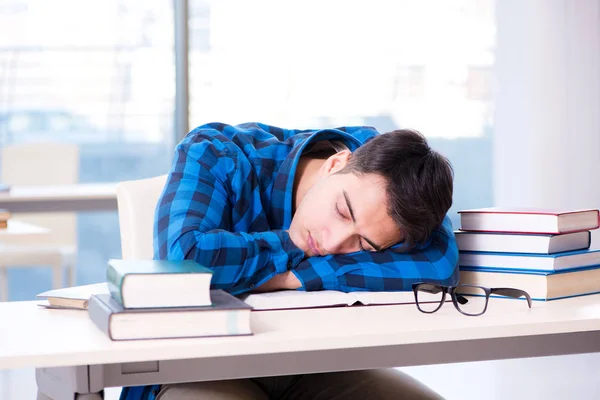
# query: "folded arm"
(389, 270)
(194, 222)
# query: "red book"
(528, 220)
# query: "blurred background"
(102, 75)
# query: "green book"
(159, 283)
(227, 316)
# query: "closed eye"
(337, 210)
(362, 248)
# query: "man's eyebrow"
(349, 204)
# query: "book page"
(53, 307)
(366, 298)
(286, 299)
(83, 292)
(296, 299)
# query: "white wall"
(547, 120)
(546, 153)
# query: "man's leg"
(238, 389)
(382, 384)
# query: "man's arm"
(388, 270)
(193, 221)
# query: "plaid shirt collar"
(284, 181)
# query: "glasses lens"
(429, 297)
(470, 299)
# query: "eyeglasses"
(430, 297)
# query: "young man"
(335, 209)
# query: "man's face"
(343, 213)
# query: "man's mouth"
(312, 244)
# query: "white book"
(534, 262)
(521, 243)
(528, 220)
(289, 299)
(227, 316)
(75, 297)
(539, 285)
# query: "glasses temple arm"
(461, 299)
(514, 293)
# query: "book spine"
(115, 283)
(589, 242)
(524, 232)
(100, 314)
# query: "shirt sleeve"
(193, 221)
(390, 270)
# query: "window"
(99, 74)
(479, 83)
(409, 82)
(315, 64)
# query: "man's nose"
(340, 240)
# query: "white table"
(77, 197)
(72, 356)
(22, 230)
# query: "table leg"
(77, 396)
(65, 383)
(90, 396)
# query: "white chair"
(136, 202)
(41, 164)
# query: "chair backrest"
(39, 164)
(136, 201)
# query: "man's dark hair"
(419, 180)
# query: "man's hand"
(287, 280)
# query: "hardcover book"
(522, 243)
(540, 285)
(159, 283)
(538, 262)
(227, 316)
(528, 220)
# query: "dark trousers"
(381, 384)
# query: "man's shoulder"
(214, 130)
(255, 136)
(228, 131)
(242, 136)
(218, 129)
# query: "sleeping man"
(342, 209)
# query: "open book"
(77, 297)
(286, 299)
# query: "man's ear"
(336, 162)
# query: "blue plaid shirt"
(228, 202)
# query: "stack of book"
(159, 299)
(546, 253)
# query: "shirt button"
(252, 286)
(289, 264)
